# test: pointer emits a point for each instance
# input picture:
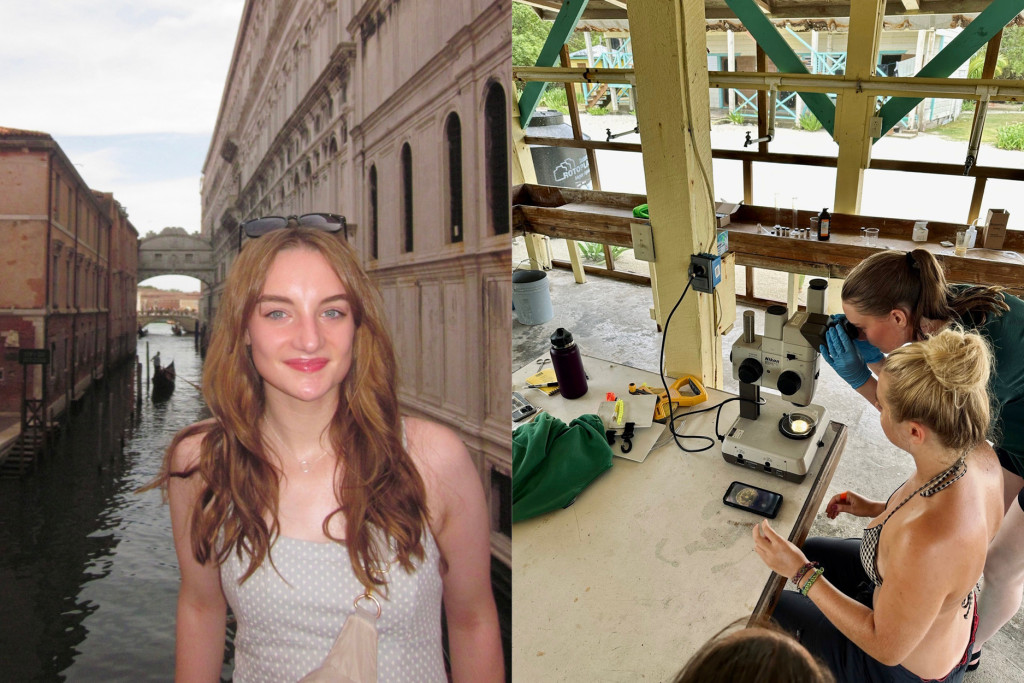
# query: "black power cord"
(671, 413)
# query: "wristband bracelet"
(810, 582)
(802, 571)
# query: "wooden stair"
(599, 93)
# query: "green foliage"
(808, 121)
(1012, 46)
(977, 63)
(555, 98)
(1010, 137)
(967, 105)
(736, 116)
(595, 252)
(529, 33)
(597, 111)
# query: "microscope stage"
(759, 444)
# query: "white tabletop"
(648, 563)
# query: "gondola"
(163, 382)
(143, 332)
(177, 330)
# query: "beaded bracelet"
(810, 582)
(802, 571)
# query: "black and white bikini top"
(869, 544)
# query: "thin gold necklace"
(304, 463)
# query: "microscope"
(774, 436)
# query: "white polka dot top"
(289, 619)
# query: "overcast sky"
(129, 89)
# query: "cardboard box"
(994, 232)
(723, 213)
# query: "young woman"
(895, 298)
(308, 492)
(899, 604)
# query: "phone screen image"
(758, 500)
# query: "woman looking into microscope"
(894, 298)
(899, 605)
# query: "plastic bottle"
(568, 364)
(972, 235)
(824, 224)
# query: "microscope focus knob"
(789, 383)
(750, 370)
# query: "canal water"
(88, 575)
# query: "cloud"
(80, 67)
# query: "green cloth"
(641, 212)
(1005, 332)
(552, 462)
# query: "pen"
(546, 385)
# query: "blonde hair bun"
(959, 360)
(942, 382)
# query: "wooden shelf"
(604, 217)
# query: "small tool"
(680, 400)
(545, 385)
(627, 438)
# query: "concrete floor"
(610, 319)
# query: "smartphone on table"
(755, 499)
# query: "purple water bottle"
(568, 364)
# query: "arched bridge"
(187, 320)
(173, 251)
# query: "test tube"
(778, 212)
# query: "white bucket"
(531, 297)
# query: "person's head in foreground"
(760, 653)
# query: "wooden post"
(670, 58)
(595, 178)
(855, 109)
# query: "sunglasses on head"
(328, 222)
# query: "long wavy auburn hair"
(381, 492)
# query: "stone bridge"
(173, 251)
(187, 320)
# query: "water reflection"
(88, 576)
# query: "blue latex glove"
(868, 351)
(841, 353)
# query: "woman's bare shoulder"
(184, 450)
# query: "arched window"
(333, 149)
(407, 197)
(453, 142)
(496, 159)
(372, 182)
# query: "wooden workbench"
(604, 217)
(648, 563)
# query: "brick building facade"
(68, 271)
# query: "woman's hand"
(851, 503)
(781, 556)
(841, 353)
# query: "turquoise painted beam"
(991, 20)
(787, 61)
(561, 29)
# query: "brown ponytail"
(914, 282)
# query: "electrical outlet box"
(706, 270)
(876, 126)
(643, 241)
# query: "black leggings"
(797, 614)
